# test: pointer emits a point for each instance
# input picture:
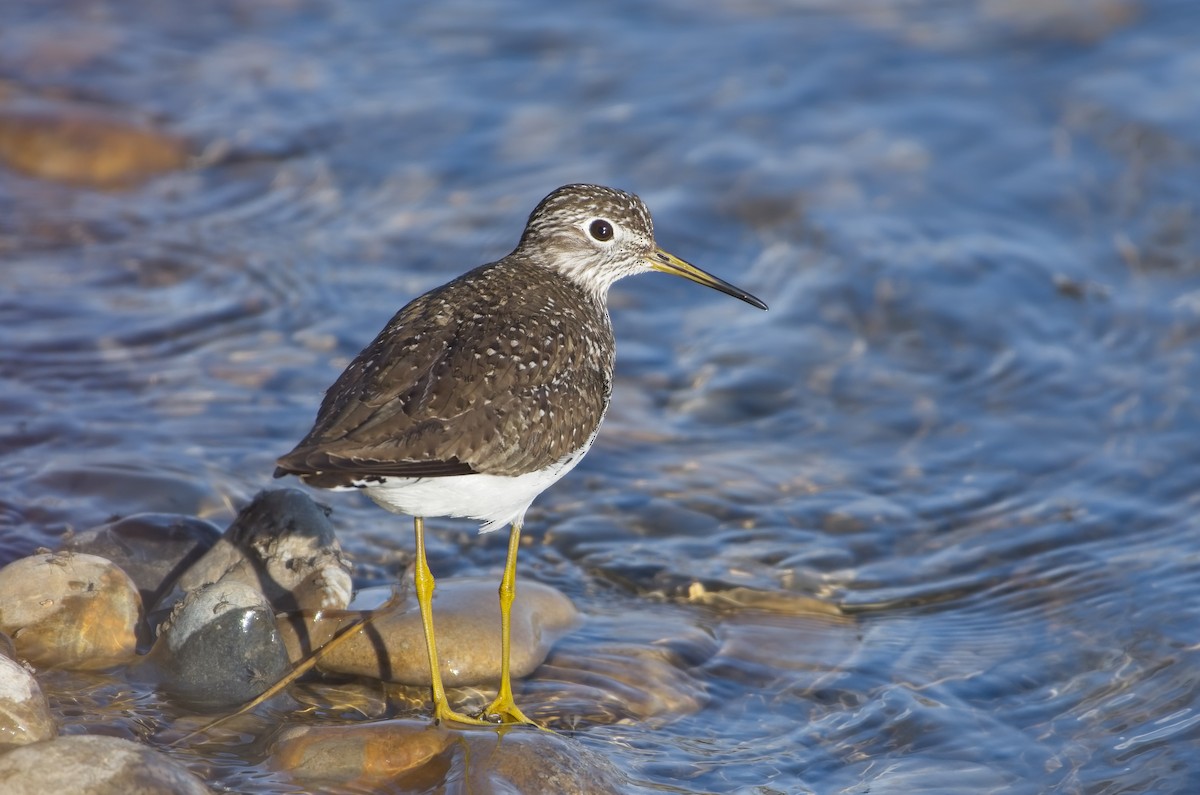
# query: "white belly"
(496, 500)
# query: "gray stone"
(219, 648)
(94, 765)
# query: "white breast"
(496, 500)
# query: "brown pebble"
(80, 145)
(363, 754)
(415, 756)
(69, 610)
(467, 620)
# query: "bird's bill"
(665, 262)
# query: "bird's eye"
(601, 229)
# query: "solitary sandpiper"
(482, 392)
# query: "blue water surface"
(968, 418)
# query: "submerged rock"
(412, 755)
(24, 712)
(782, 602)
(218, 649)
(95, 765)
(535, 762)
(467, 618)
(84, 145)
(362, 754)
(69, 610)
(615, 682)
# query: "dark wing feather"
(468, 378)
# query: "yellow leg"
(504, 707)
(423, 579)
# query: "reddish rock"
(80, 145)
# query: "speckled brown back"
(504, 370)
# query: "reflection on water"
(968, 419)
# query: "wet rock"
(613, 682)
(84, 145)
(154, 549)
(742, 598)
(24, 712)
(69, 610)
(654, 668)
(96, 765)
(364, 755)
(467, 617)
(416, 756)
(100, 486)
(626, 665)
(534, 762)
(282, 545)
(866, 513)
(219, 648)
(362, 698)
(305, 631)
(758, 646)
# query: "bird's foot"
(505, 712)
(442, 714)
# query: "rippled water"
(968, 419)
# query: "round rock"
(69, 610)
(535, 762)
(364, 755)
(219, 648)
(415, 756)
(24, 712)
(95, 765)
(466, 615)
(81, 144)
